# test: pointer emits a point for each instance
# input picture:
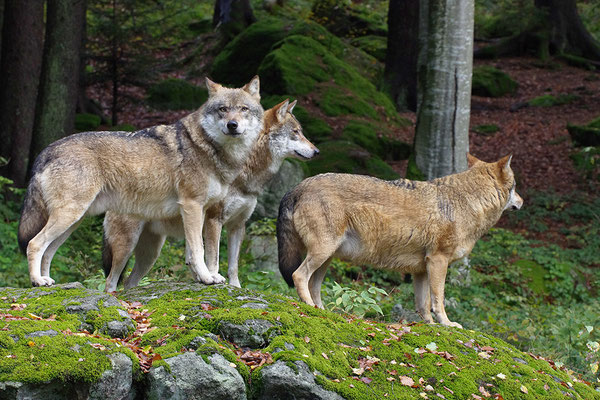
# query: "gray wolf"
(123, 235)
(414, 227)
(159, 172)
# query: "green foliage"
(87, 122)
(351, 301)
(264, 226)
(491, 82)
(502, 18)
(176, 94)
(486, 129)
(373, 45)
(585, 135)
(347, 157)
(350, 19)
(549, 100)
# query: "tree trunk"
(402, 53)
(232, 16)
(21, 60)
(444, 86)
(566, 31)
(57, 97)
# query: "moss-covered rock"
(549, 100)
(491, 82)
(176, 94)
(87, 122)
(349, 358)
(239, 61)
(347, 157)
(586, 135)
(351, 20)
(300, 65)
(373, 45)
(371, 138)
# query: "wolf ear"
(291, 106)
(504, 163)
(281, 109)
(253, 87)
(472, 160)
(212, 87)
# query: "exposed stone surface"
(193, 378)
(115, 383)
(254, 333)
(280, 382)
(289, 175)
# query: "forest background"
(129, 64)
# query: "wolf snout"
(232, 127)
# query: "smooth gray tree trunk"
(445, 66)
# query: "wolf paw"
(218, 278)
(42, 281)
(235, 282)
(455, 325)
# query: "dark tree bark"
(21, 60)
(566, 31)
(232, 16)
(402, 52)
(57, 98)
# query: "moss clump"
(87, 122)
(176, 94)
(373, 45)
(486, 129)
(347, 157)
(491, 82)
(586, 135)
(351, 20)
(300, 65)
(372, 138)
(123, 127)
(549, 100)
(335, 101)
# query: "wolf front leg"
(192, 213)
(437, 266)
(212, 236)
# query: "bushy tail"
(34, 215)
(290, 247)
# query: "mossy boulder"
(300, 65)
(176, 94)
(491, 82)
(586, 135)
(371, 138)
(350, 20)
(87, 122)
(315, 353)
(240, 59)
(373, 45)
(347, 157)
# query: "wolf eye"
(296, 131)
(223, 109)
(244, 108)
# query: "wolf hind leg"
(51, 250)
(422, 296)
(121, 238)
(59, 222)
(302, 276)
(437, 266)
(315, 282)
(146, 252)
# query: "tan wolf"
(414, 227)
(123, 235)
(159, 172)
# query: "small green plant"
(351, 301)
(262, 227)
(549, 100)
(486, 129)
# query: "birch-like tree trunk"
(444, 86)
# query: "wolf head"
(504, 175)
(230, 113)
(285, 133)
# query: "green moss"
(371, 137)
(347, 157)
(373, 45)
(123, 127)
(300, 64)
(335, 101)
(586, 135)
(486, 129)
(87, 122)
(491, 82)
(549, 100)
(176, 94)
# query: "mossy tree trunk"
(21, 60)
(402, 52)
(232, 16)
(444, 86)
(57, 98)
(566, 32)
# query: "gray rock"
(399, 313)
(42, 391)
(255, 306)
(117, 329)
(280, 382)
(290, 174)
(115, 383)
(49, 332)
(192, 378)
(253, 333)
(264, 252)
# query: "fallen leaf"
(406, 380)
(431, 346)
(390, 379)
(484, 392)
(483, 354)
(306, 339)
(366, 380)
(524, 389)
(325, 356)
